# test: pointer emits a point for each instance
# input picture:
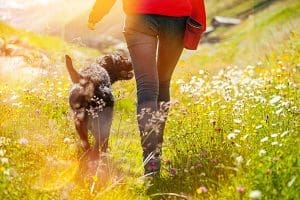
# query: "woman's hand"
(99, 10)
(91, 25)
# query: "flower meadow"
(230, 135)
(240, 126)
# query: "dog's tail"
(75, 76)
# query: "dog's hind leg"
(100, 127)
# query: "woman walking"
(156, 31)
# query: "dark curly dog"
(91, 98)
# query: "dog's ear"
(75, 76)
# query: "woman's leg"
(142, 48)
(169, 51)
(152, 86)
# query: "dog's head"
(118, 67)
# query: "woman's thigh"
(170, 46)
(140, 34)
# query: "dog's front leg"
(82, 130)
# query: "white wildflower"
(279, 62)
(223, 106)
(251, 67)
(73, 146)
(285, 103)
(291, 182)
(4, 160)
(6, 172)
(23, 141)
(275, 100)
(280, 86)
(246, 136)
(274, 143)
(14, 97)
(236, 131)
(67, 140)
(2, 152)
(231, 136)
(201, 72)
(237, 145)
(262, 152)
(18, 104)
(239, 160)
(264, 139)
(258, 127)
(237, 121)
(284, 133)
(260, 99)
(277, 112)
(185, 88)
(248, 162)
(274, 135)
(259, 63)
(255, 194)
(211, 113)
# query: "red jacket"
(176, 8)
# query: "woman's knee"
(147, 91)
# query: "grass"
(230, 131)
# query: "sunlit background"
(63, 18)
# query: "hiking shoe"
(152, 166)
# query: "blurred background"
(37, 33)
(64, 18)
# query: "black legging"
(155, 44)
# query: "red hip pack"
(192, 34)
